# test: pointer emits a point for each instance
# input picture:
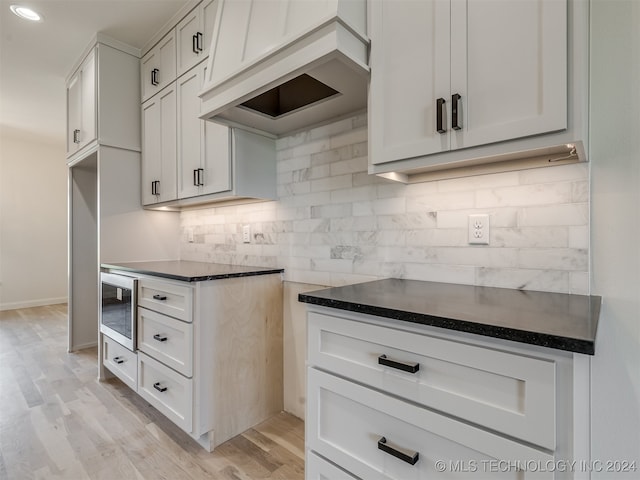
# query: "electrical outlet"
(246, 233)
(479, 229)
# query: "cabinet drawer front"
(366, 432)
(317, 468)
(506, 392)
(168, 391)
(166, 339)
(120, 361)
(168, 298)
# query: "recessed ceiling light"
(26, 13)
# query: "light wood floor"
(58, 422)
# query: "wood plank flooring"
(58, 422)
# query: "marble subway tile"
(441, 201)
(340, 279)
(440, 273)
(408, 221)
(354, 165)
(530, 237)
(349, 138)
(538, 194)
(571, 214)
(524, 279)
(579, 283)
(331, 183)
(554, 259)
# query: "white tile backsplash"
(334, 224)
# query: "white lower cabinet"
(374, 435)
(209, 353)
(167, 339)
(168, 391)
(121, 362)
(391, 400)
(317, 468)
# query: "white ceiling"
(35, 58)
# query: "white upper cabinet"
(81, 106)
(203, 147)
(159, 151)
(158, 66)
(102, 99)
(193, 36)
(457, 80)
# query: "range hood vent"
(311, 70)
(299, 92)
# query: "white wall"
(615, 233)
(33, 221)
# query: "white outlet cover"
(246, 233)
(479, 229)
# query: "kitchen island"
(208, 349)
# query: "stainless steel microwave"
(118, 305)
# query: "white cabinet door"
(74, 105)
(81, 106)
(509, 66)
(204, 161)
(189, 134)
(159, 147)
(158, 66)
(448, 75)
(193, 36)
(378, 436)
(217, 158)
(409, 72)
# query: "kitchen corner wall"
(334, 224)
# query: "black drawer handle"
(405, 367)
(411, 457)
(159, 297)
(439, 117)
(160, 338)
(118, 360)
(455, 124)
(159, 387)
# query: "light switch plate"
(479, 229)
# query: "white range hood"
(279, 67)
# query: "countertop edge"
(192, 278)
(574, 345)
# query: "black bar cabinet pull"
(439, 108)
(118, 360)
(154, 76)
(454, 112)
(154, 187)
(196, 182)
(405, 367)
(194, 44)
(160, 338)
(411, 459)
(199, 41)
(200, 175)
(157, 296)
(159, 387)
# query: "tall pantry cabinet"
(106, 220)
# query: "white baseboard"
(33, 303)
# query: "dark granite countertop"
(554, 320)
(190, 271)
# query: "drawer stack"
(387, 403)
(165, 349)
